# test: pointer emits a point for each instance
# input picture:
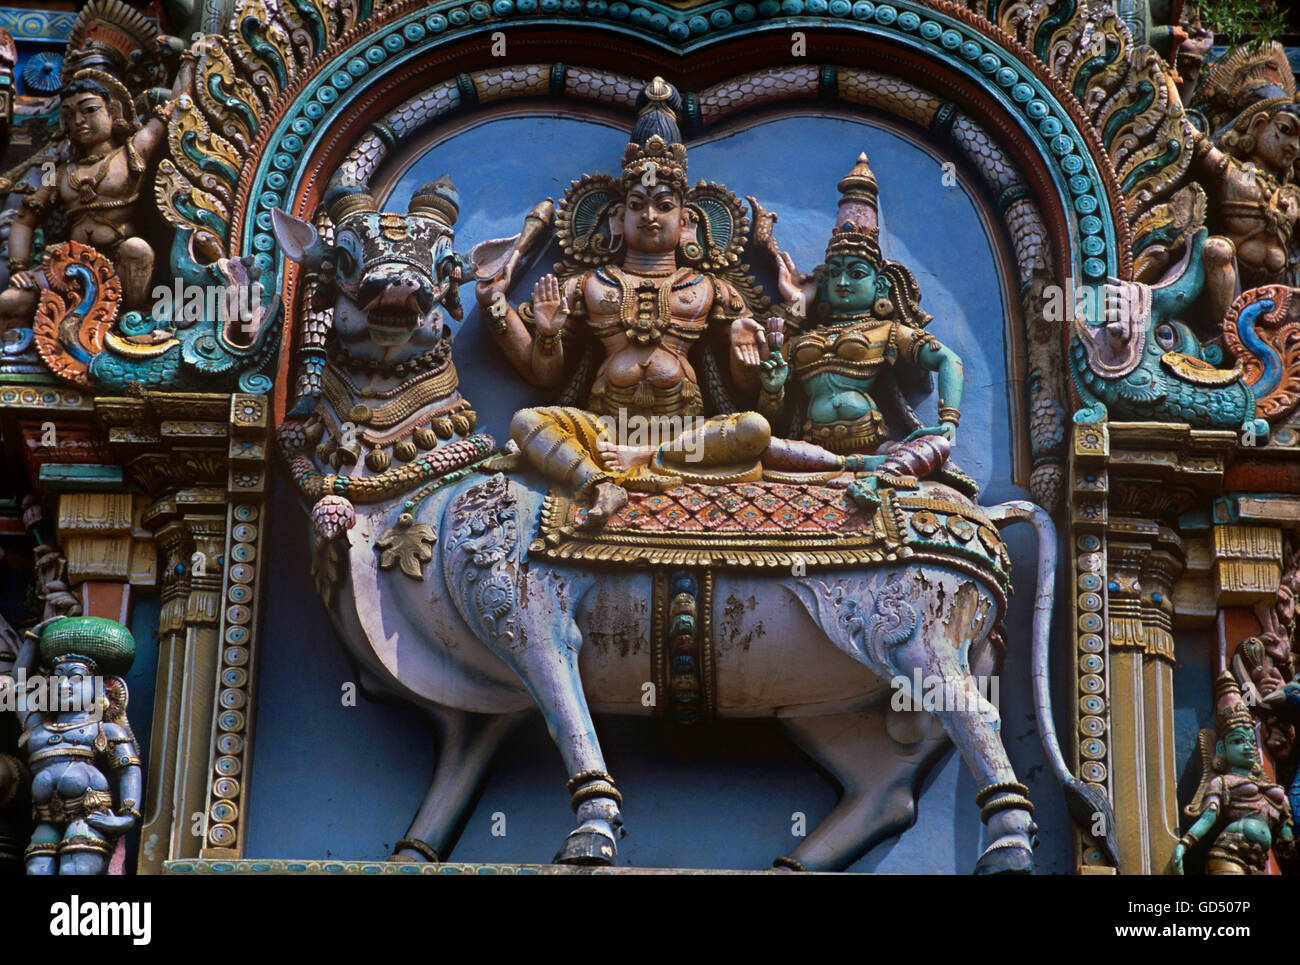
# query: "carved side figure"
(69, 747)
(1239, 815)
(1249, 162)
(98, 186)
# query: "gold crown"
(669, 162)
(846, 239)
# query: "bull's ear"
(299, 239)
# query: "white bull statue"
(439, 585)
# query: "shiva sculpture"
(1239, 814)
(79, 812)
(660, 276)
(467, 583)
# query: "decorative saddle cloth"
(778, 525)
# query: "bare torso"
(659, 358)
(107, 220)
(1259, 215)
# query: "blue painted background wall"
(343, 782)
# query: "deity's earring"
(692, 250)
(882, 307)
(616, 227)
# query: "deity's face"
(653, 218)
(1238, 748)
(848, 284)
(75, 680)
(1278, 143)
(87, 119)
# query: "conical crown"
(857, 228)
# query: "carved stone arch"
(327, 78)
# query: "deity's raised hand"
(549, 308)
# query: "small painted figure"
(1239, 815)
(72, 733)
(864, 315)
(98, 187)
(1249, 167)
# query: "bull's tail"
(1088, 806)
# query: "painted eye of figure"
(348, 261)
(1166, 337)
(442, 256)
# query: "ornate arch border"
(333, 96)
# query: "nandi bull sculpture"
(465, 589)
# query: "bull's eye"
(1165, 336)
(441, 255)
(348, 256)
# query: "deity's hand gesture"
(773, 372)
(1176, 862)
(748, 343)
(549, 307)
(796, 287)
(26, 280)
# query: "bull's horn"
(299, 239)
(344, 197)
(438, 199)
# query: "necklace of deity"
(644, 304)
(86, 187)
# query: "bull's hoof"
(413, 850)
(1006, 858)
(785, 863)
(586, 848)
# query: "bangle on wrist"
(548, 342)
(949, 413)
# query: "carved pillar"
(1090, 715)
(201, 458)
(1130, 482)
(174, 547)
(1144, 560)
